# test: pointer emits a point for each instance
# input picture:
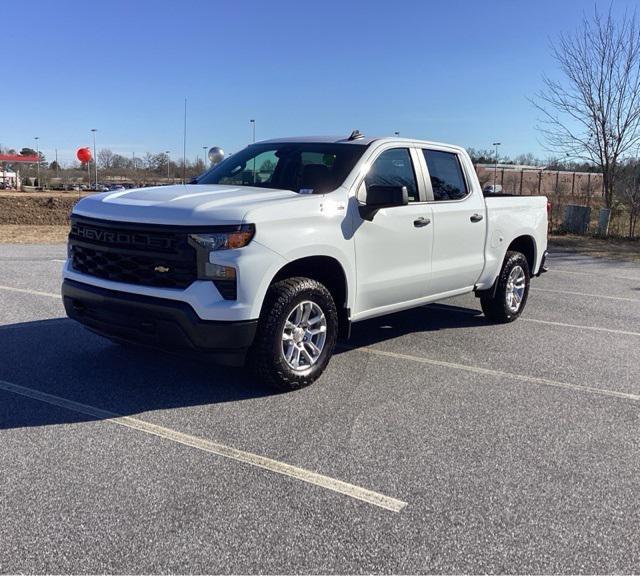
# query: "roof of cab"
(361, 141)
(364, 140)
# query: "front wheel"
(510, 296)
(297, 333)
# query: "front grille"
(142, 254)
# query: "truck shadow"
(425, 319)
(61, 358)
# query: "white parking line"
(585, 294)
(582, 327)
(351, 490)
(501, 373)
(565, 271)
(27, 291)
(445, 308)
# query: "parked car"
(115, 187)
(492, 189)
(277, 270)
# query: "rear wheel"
(510, 295)
(296, 335)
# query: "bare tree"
(594, 112)
(105, 159)
(527, 159)
(119, 162)
(629, 192)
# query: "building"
(9, 180)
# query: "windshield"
(308, 168)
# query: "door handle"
(476, 218)
(420, 222)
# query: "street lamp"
(204, 157)
(253, 126)
(495, 168)
(38, 161)
(95, 158)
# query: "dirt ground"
(616, 248)
(36, 208)
(43, 218)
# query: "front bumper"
(157, 322)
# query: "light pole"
(38, 161)
(204, 157)
(495, 167)
(95, 158)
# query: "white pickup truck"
(271, 254)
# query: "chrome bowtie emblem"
(162, 269)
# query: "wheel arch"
(523, 243)
(526, 244)
(328, 271)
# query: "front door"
(393, 249)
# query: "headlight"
(224, 238)
(230, 237)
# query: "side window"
(394, 168)
(447, 179)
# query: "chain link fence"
(562, 189)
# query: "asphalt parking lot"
(435, 442)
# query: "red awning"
(18, 158)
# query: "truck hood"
(191, 204)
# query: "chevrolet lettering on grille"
(119, 237)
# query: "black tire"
(267, 357)
(496, 307)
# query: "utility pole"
(38, 162)
(168, 163)
(95, 157)
(495, 168)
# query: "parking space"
(435, 442)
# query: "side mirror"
(383, 197)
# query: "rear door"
(459, 222)
(393, 249)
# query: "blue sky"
(457, 71)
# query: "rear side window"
(394, 168)
(447, 179)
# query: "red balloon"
(84, 155)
